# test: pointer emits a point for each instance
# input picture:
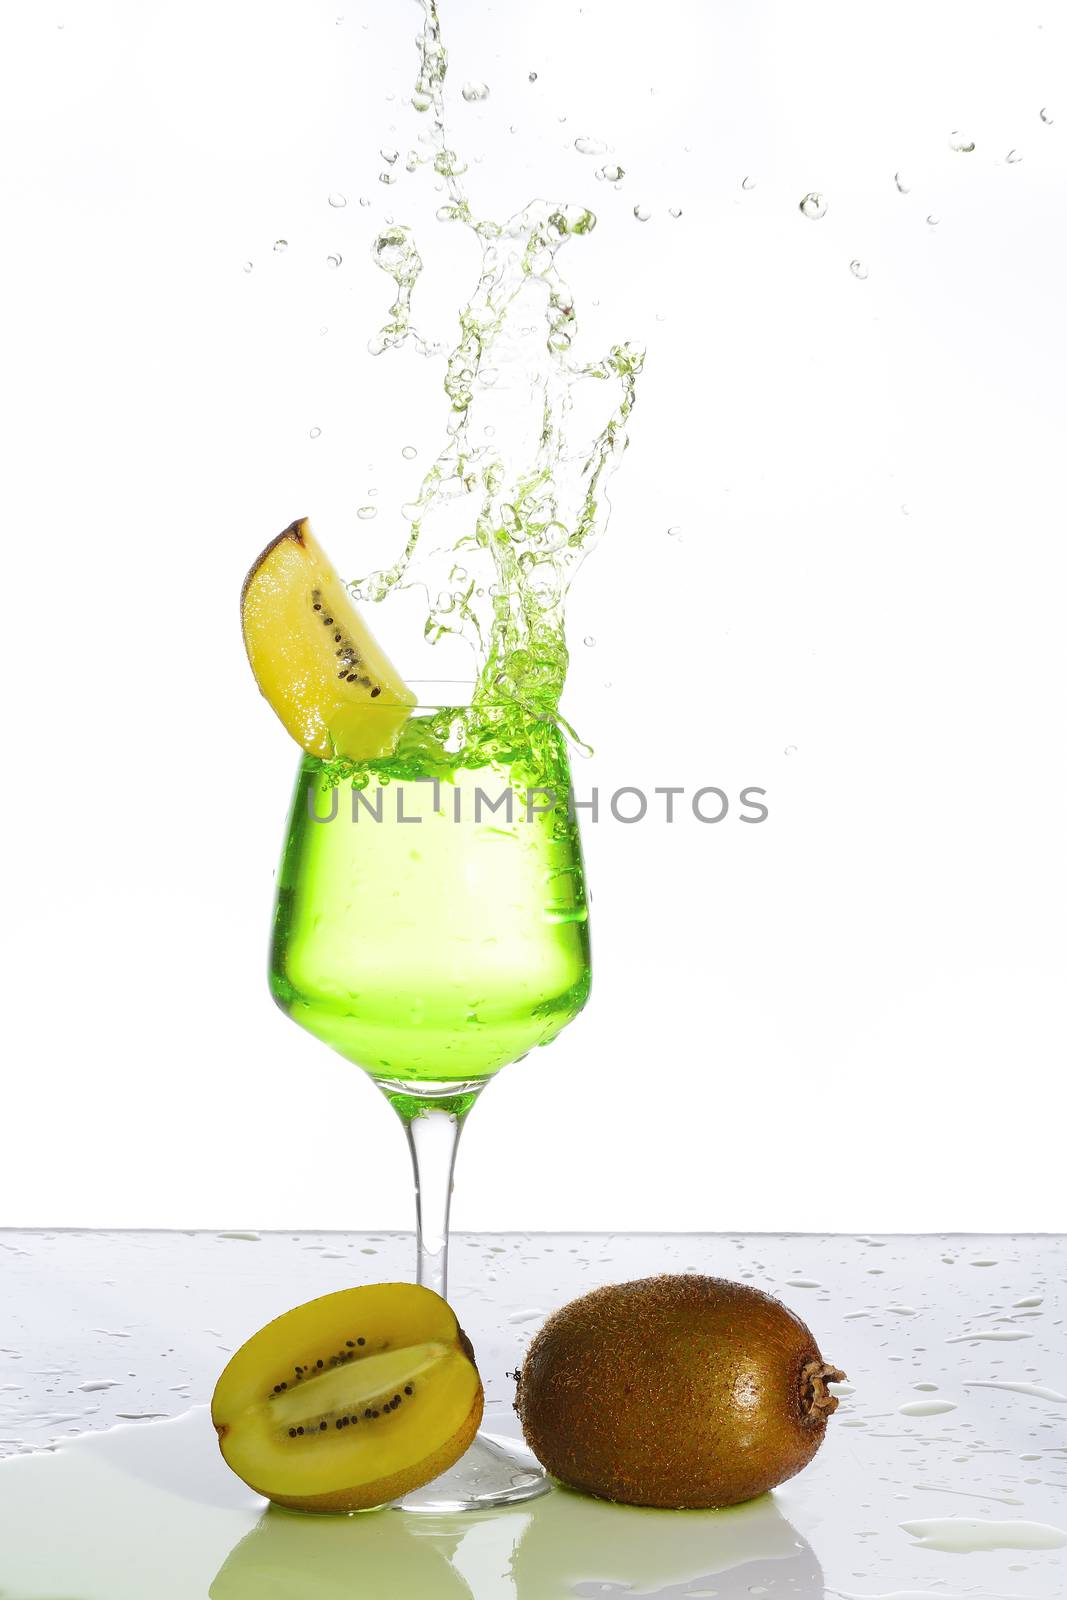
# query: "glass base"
(493, 1472)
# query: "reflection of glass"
(431, 926)
(565, 1544)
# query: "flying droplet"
(959, 142)
(813, 205)
(790, 749)
(315, 432)
(1012, 157)
(323, 329)
(674, 211)
(338, 201)
(389, 156)
(932, 220)
(858, 269)
(589, 640)
(611, 174)
(333, 261)
(533, 77)
(248, 266)
(475, 91)
(903, 186)
(409, 452)
(748, 183)
(363, 200)
(1046, 116)
(589, 147)
(642, 213)
(365, 513)
(673, 532)
(281, 245)
(387, 177)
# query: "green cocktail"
(431, 923)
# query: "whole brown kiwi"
(677, 1391)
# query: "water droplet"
(611, 174)
(903, 186)
(674, 211)
(336, 200)
(813, 205)
(363, 200)
(315, 432)
(905, 510)
(533, 77)
(790, 749)
(642, 213)
(248, 266)
(589, 640)
(673, 532)
(857, 269)
(1046, 116)
(748, 183)
(389, 156)
(409, 452)
(959, 142)
(333, 261)
(387, 177)
(281, 245)
(365, 513)
(475, 91)
(932, 220)
(589, 147)
(1012, 157)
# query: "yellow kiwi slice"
(314, 658)
(351, 1400)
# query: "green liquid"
(439, 949)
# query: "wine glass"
(430, 925)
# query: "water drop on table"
(281, 245)
(589, 147)
(333, 261)
(642, 213)
(365, 513)
(960, 142)
(336, 200)
(858, 269)
(1012, 157)
(475, 91)
(409, 452)
(813, 205)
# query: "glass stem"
(433, 1132)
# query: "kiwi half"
(675, 1391)
(350, 1400)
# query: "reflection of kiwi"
(287, 1557)
(350, 1400)
(581, 1547)
(675, 1391)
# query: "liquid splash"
(516, 496)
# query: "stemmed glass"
(430, 925)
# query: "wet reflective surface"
(942, 1477)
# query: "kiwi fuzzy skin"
(679, 1391)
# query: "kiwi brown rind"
(675, 1391)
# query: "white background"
(849, 1017)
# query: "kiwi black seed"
(675, 1391)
